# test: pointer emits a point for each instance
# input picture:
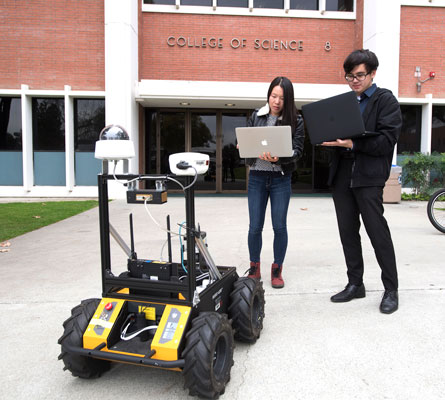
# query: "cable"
(182, 250)
(134, 334)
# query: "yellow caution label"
(170, 332)
(150, 312)
(103, 320)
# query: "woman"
(270, 177)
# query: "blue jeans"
(263, 186)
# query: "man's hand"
(347, 143)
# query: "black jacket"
(288, 164)
(373, 155)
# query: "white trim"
(27, 147)
(427, 126)
(208, 94)
(250, 11)
(69, 139)
(423, 3)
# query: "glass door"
(233, 167)
(203, 140)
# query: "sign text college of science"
(235, 43)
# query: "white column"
(427, 125)
(69, 139)
(121, 68)
(27, 147)
(381, 34)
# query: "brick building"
(180, 75)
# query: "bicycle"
(436, 209)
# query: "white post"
(121, 74)
(427, 125)
(69, 139)
(27, 146)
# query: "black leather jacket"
(288, 164)
(373, 155)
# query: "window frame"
(251, 11)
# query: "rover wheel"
(208, 355)
(246, 309)
(74, 328)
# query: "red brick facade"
(422, 29)
(49, 44)
(227, 60)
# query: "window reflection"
(304, 4)
(438, 131)
(10, 123)
(233, 3)
(233, 167)
(89, 120)
(339, 5)
(268, 4)
(409, 140)
(203, 128)
(172, 137)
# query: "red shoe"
(254, 271)
(277, 280)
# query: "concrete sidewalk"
(310, 348)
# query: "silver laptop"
(254, 141)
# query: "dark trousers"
(366, 202)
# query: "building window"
(10, 123)
(288, 8)
(268, 4)
(162, 2)
(304, 4)
(233, 3)
(11, 159)
(339, 5)
(409, 140)
(48, 127)
(89, 120)
(438, 131)
(205, 3)
(48, 124)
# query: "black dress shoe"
(350, 292)
(390, 302)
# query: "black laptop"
(336, 117)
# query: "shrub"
(424, 172)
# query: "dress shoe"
(390, 302)
(350, 292)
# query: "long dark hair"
(289, 114)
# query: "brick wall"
(48, 44)
(313, 64)
(422, 44)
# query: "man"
(358, 172)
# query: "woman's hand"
(267, 157)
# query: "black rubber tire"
(437, 217)
(74, 328)
(208, 355)
(246, 309)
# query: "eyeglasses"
(360, 77)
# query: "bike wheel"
(436, 210)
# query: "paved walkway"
(310, 348)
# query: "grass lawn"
(19, 218)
